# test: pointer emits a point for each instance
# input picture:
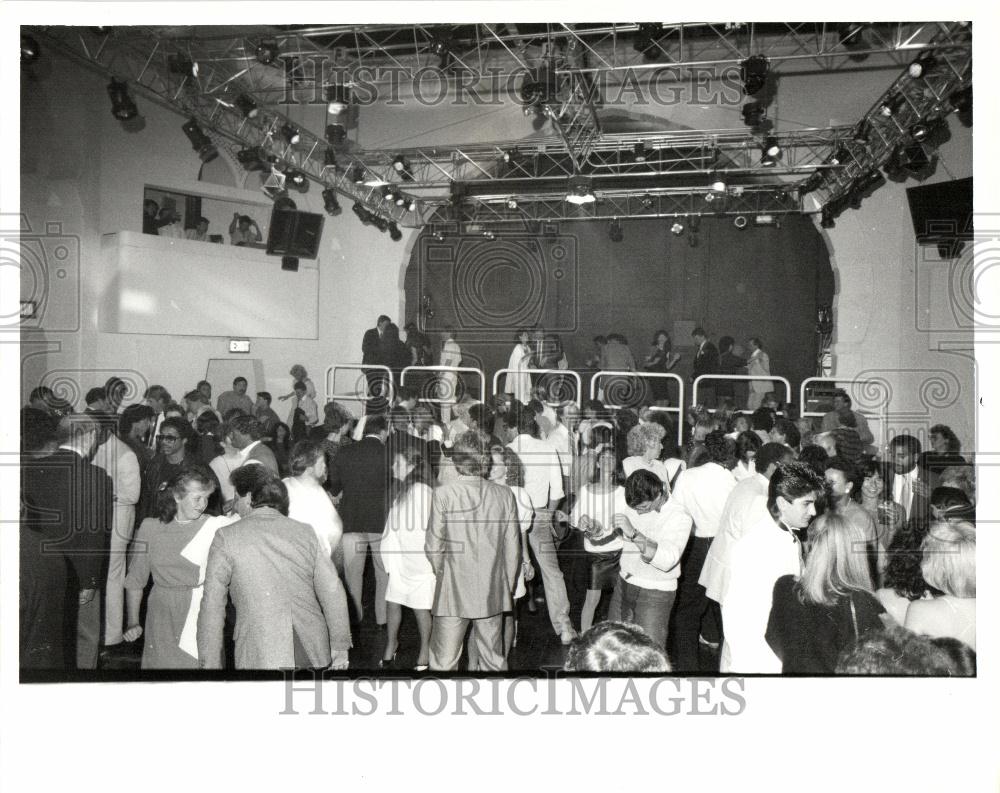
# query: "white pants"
(114, 603)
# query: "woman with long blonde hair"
(826, 609)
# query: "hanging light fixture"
(753, 73)
(122, 106)
(338, 99)
(330, 202)
(615, 231)
(200, 142)
(247, 106)
(580, 192)
(290, 133)
(267, 51)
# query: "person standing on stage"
(759, 365)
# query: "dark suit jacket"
(361, 472)
(706, 361)
(371, 347)
(920, 507)
(263, 454)
(70, 501)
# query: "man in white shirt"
(911, 487)
(746, 506)
(199, 233)
(701, 492)
(842, 404)
(655, 531)
(544, 485)
(308, 501)
(767, 551)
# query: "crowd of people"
(222, 537)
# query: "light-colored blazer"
(281, 584)
(474, 545)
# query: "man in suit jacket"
(706, 361)
(371, 354)
(911, 486)
(246, 434)
(361, 472)
(290, 604)
(68, 509)
(473, 543)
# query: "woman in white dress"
(411, 577)
(518, 381)
(758, 365)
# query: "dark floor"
(537, 646)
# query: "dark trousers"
(692, 606)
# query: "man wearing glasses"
(170, 458)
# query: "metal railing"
(357, 396)
(647, 375)
(567, 372)
(456, 370)
(881, 417)
(770, 378)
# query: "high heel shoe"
(388, 663)
(421, 667)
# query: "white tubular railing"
(456, 369)
(647, 375)
(881, 417)
(769, 378)
(567, 372)
(357, 396)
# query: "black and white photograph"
(413, 365)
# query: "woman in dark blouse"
(826, 609)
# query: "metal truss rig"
(210, 98)
(913, 100)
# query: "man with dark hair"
(97, 401)
(115, 391)
(543, 483)
(747, 504)
(706, 362)
(371, 355)
(200, 232)
(41, 398)
(897, 651)
(361, 472)
(157, 397)
(237, 398)
(171, 457)
(133, 427)
(762, 422)
(655, 531)
(842, 406)
(265, 414)
(784, 431)
(65, 537)
(701, 493)
(245, 434)
(910, 486)
(308, 501)
(474, 545)
(206, 390)
(768, 550)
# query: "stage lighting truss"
(582, 56)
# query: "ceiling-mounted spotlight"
(247, 106)
(441, 46)
(29, 49)
(961, 103)
(811, 182)
(330, 202)
(580, 192)
(389, 195)
(439, 235)
(645, 41)
(862, 132)
(853, 38)
(921, 65)
(338, 99)
(181, 65)
(489, 235)
(290, 133)
(753, 73)
(892, 105)
(251, 159)
(401, 166)
(356, 173)
(296, 179)
(639, 151)
(511, 203)
(841, 156)
(394, 233)
(677, 228)
(615, 231)
(647, 201)
(380, 223)
(827, 218)
(412, 206)
(770, 152)
(401, 200)
(122, 106)
(718, 184)
(741, 222)
(766, 220)
(200, 142)
(336, 135)
(870, 181)
(267, 51)
(755, 116)
(329, 158)
(920, 131)
(362, 212)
